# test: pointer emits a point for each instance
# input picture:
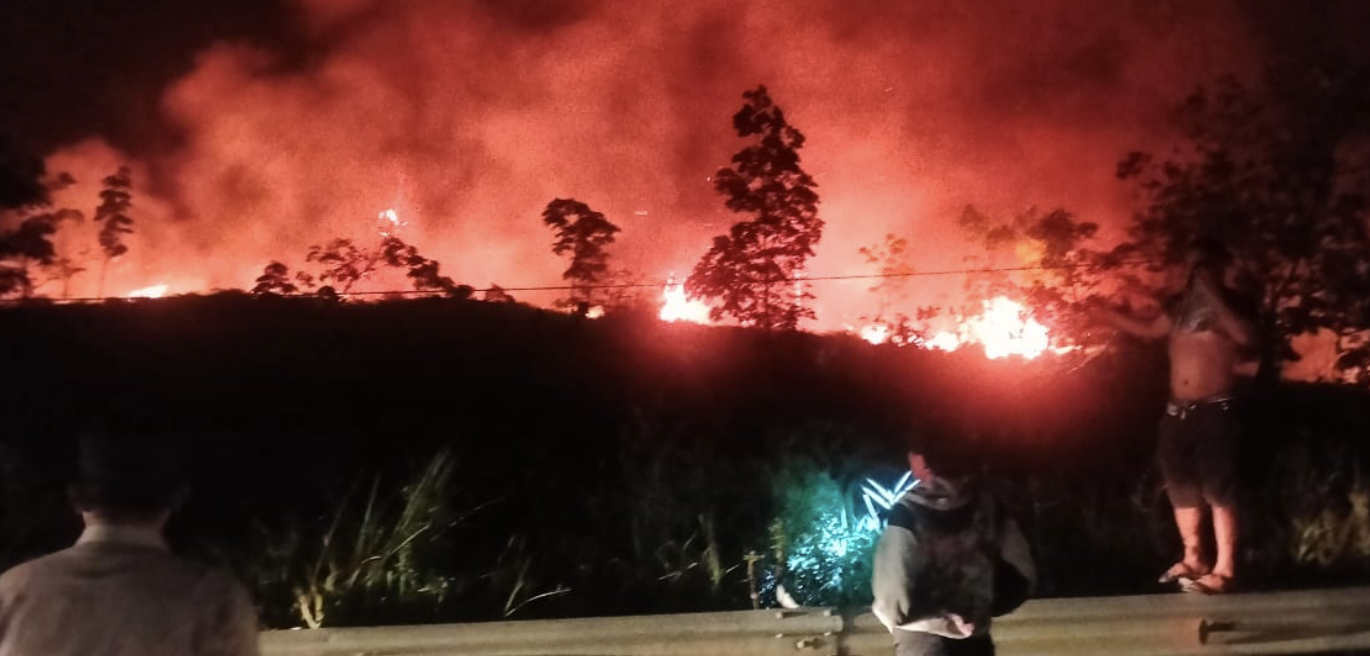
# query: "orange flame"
(676, 307)
(155, 291)
(877, 333)
(1004, 328)
(943, 341)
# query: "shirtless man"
(1197, 434)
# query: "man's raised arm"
(1153, 328)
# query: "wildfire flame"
(676, 307)
(943, 341)
(155, 291)
(390, 223)
(877, 333)
(1004, 328)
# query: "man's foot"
(1209, 584)
(1183, 571)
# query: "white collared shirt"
(119, 592)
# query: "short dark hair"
(949, 451)
(125, 475)
(1209, 251)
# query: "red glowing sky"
(469, 116)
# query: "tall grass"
(372, 552)
(1326, 505)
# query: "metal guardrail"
(1307, 622)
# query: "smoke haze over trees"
(284, 121)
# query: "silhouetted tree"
(275, 281)
(28, 244)
(115, 201)
(345, 264)
(891, 260)
(496, 294)
(892, 265)
(424, 273)
(581, 233)
(62, 266)
(1279, 173)
(21, 177)
(66, 267)
(752, 273)
(1045, 262)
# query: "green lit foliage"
(821, 549)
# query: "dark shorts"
(913, 643)
(1198, 453)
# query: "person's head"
(1207, 254)
(125, 479)
(929, 464)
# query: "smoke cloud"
(468, 116)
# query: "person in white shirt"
(119, 591)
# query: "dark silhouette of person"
(119, 591)
(950, 559)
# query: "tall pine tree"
(753, 273)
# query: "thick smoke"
(467, 117)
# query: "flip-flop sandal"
(1181, 573)
(1209, 584)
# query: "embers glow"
(155, 291)
(676, 307)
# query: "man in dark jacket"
(949, 560)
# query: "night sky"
(256, 128)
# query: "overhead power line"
(657, 285)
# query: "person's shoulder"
(37, 569)
(902, 515)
